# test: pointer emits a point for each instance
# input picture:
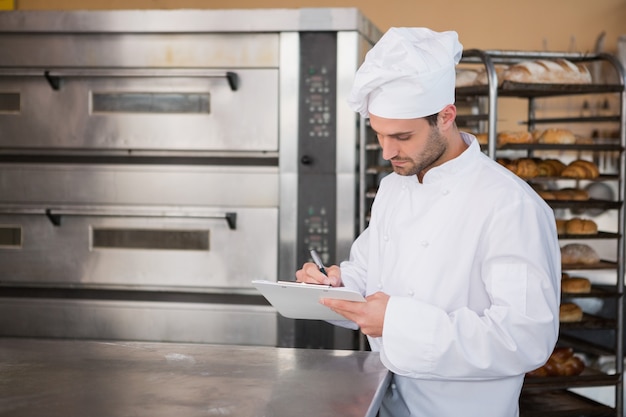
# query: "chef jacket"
(471, 261)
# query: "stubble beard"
(433, 151)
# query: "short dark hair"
(432, 119)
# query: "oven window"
(151, 239)
(10, 236)
(150, 103)
(10, 102)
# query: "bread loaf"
(482, 78)
(562, 362)
(543, 71)
(574, 194)
(578, 226)
(510, 136)
(466, 77)
(575, 285)
(579, 253)
(561, 226)
(570, 313)
(557, 136)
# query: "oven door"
(116, 226)
(140, 92)
(99, 251)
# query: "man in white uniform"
(460, 263)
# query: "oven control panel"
(317, 177)
(317, 146)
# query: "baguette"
(543, 71)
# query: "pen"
(318, 262)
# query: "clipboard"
(297, 300)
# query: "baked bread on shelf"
(570, 313)
(550, 167)
(579, 253)
(547, 71)
(483, 138)
(557, 136)
(466, 77)
(581, 169)
(562, 362)
(514, 136)
(574, 194)
(575, 285)
(580, 226)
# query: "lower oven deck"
(98, 251)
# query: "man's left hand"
(370, 315)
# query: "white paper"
(297, 300)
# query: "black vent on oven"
(10, 102)
(151, 103)
(151, 239)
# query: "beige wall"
(555, 25)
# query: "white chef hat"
(409, 73)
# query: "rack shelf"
(549, 396)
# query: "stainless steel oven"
(153, 163)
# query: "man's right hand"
(311, 274)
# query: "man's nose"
(389, 148)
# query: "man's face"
(411, 145)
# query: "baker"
(460, 263)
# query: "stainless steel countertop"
(69, 378)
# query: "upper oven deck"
(185, 80)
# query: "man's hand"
(311, 274)
(370, 315)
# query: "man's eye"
(403, 137)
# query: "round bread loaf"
(509, 136)
(575, 285)
(557, 136)
(578, 226)
(570, 313)
(579, 253)
(560, 226)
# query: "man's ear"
(446, 117)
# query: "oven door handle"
(55, 215)
(55, 76)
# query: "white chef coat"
(471, 260)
